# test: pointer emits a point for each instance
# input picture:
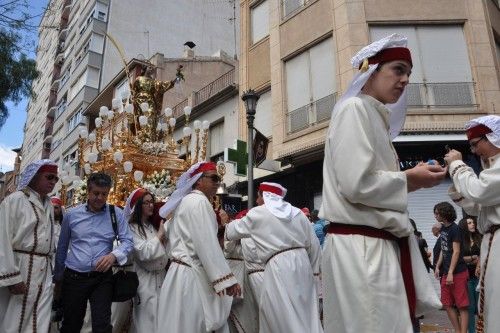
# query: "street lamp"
(250, 98)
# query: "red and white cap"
(131, 201)
(273, 194)
(488, 126)
(393, 47)
(33, 168)
(56, 201)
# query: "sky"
(11, 134)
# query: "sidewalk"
(436, 322)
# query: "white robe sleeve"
(468, 205)
(483, 190)
(357, 175)
(314, 249)
(9, 270)
(146, 250)
(238, 229)
(206, 244)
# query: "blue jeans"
(473, 301)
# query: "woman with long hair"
(149, 257)
(472, 245)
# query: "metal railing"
(290, 7)
(214, 87)
(310, 114)
(178, 110)
(441, 95)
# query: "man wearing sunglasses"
(26, 247)
(479, 195)
(194, 295)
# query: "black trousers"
(77, 289)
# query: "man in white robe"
(26, 247)
(192, 297)
(480, 195)
(365, 198)
(287, 245)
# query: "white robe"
(19, 231)
(288, 301)
(362, 185)
(481, 196)
(244, 313)
(188, 297)
(150, 260)
(254, 270)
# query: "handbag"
(125, 283)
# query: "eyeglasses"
(214, 178)
(51, 177)
(473, 144)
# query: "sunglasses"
(214, 178)
(51, 177)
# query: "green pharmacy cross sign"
(238, 157)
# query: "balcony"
(55, 85)
(178, 110)
(441, 96)
(66, 10)
(291, 7)
(49, 126)
(62, 34)
(59, 58)
(215, 87)
(52, 112)
(311, 114)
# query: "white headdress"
(184, 186)
(273, 194)
(361, 59)
(31, 169)
(492, 122)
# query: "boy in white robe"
(480, 195)
(367, 270)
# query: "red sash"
(404, 248)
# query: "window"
(120, 87)
(75, 120)
(435, 80)
(259, 16)
(310, 86)
(216, 139)
(101, 16)
(61, 108)
(101, 10)
(289, 7)
(77, 86)
(65, 76)
(96, 43)
(264, 116)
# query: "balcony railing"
(310, 114)
(178, 110)
(290, 7)
(441, 95)
(214, 87)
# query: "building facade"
(296, 54)
(91, 43)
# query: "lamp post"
(250, 98)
